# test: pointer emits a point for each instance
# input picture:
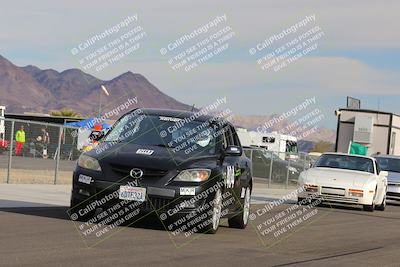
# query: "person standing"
(20, 141)
(46, 141)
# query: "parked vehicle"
(281, 169)
(285, 146)
(391, 164)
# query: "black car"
(179, 165)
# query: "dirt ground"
(22, 176)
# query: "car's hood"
(160, 158)
(394, 177)
(337, 177)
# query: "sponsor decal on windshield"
(163, 118)
(144, 151)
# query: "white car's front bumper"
(338, 195)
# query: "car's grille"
(339, 198)
(333, 191)
(393, 184)
(156, 203)
(393, 194)
(124, 170)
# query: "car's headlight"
(193, 175)
(88, 162)
(311, 188)
(356, 193)
(292, 169)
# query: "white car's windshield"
(346, 162)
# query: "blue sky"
(358, 56)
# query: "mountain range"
(31, 89)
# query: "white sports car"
(347, 179)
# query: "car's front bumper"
(158, 198)
(393, 192)
(335, 198)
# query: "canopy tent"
(88, 124)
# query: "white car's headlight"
(88, 162)
(311, 188)
(356, 193)
(193, 175)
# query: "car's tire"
(74, 209)
(300, 201)
(215, 214)
(240, 221)
(382, 206)
(369, 208)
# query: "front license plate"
(132, 193)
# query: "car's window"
(236, 140)
(346, 162)
(228, 136)
(378, 168)
(389, 164)
(158, 130)
(224, 137)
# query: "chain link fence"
(49, 153)
(277, 169)
(35, 152)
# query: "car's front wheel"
(382, 206)
(215, 214)
(369, 208)
(240, 221)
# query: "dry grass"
(21, 176)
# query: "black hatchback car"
(181, 166)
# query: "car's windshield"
(175, 134)
(389, 164)
(346, 162)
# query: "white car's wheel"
(371, 207)
(382, 206)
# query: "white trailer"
(281, 144)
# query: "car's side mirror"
(233, 151)
(383, 173)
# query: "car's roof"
(345, 154)
(387, 156)
(198, 116)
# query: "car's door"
(381, 182)
(236, 167)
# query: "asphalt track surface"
(338, 236)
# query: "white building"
(375, 129)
